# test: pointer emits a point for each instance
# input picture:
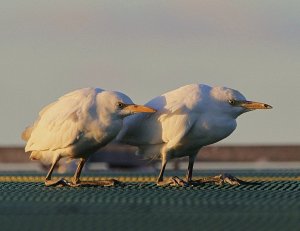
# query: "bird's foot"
(229, 179)
(110, 182)
(63, 182)
(221, 179)
(60, 182)
(173, 181)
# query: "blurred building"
(124, 157)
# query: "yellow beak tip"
(268, 106)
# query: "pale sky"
(145, 48)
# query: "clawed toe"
(229, 179)
(107, 183)
(219, 180)
(59, 183)
(173, 181)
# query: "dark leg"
(189, 174)
(173, 181)
(77, 182)
(48, 177)
(219, 180)
(78, 171)
(48, 181)
(160, 178)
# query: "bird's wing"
(175, 116)
(175, 127)
(176, 112)
(61, 123)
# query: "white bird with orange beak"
(77, 125)
(186, 120)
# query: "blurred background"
(145, 48)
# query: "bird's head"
(233, 102)
(120, 105)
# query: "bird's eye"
(120, 105)
(231, 102)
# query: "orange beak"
(254, 105)
(139, 108)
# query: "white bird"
(187, 119)
(77, 125)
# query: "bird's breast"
(104, 133)
(210, 130)
(95, 137)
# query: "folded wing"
(177, 111)
(61, 123)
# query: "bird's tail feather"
(27, 133)
(44, 156)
